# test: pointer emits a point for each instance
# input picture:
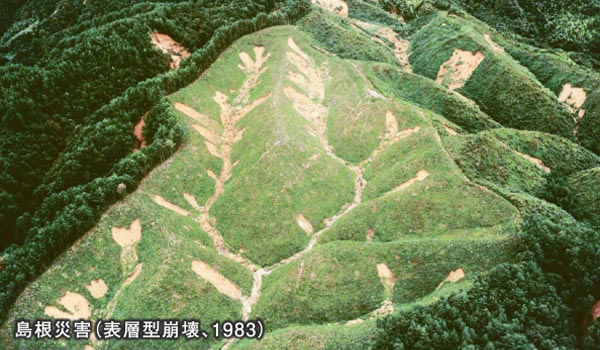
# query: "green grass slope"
(560, 155)
(166, 287)
(427, 94)
(501, 87)
(483, 157)
(583, 193)
(278, 162)
(339, 281)
(555, 70)
(320, 187)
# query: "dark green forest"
(544, 301)
(72, 88)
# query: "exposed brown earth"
(170, 47)
(494, 46)
(304, 224)
(166, 204)
(128, 239)
(97, 288)
(400, 46)
(458, 69)
(386, 276)
(220, 282)
(421, 175)
(450, 131)
(336, 6)
(574, 98)
(76, 305)
(137, 131)
(537, 162)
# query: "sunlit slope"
(304, 194)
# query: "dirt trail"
(110, 308)
(458, 69)
(221, 146)
(336, 6)
(494, 46)
(166, 204)
(220, 282)
(199, 117)
(400, 46)
(171, 48)
(421, 175)
(97, 288)
(450, 131)
(537, 162)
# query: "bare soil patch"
(355, 322)
(166, 204)
(304, 224)
(128, 236)
(421, 175)
(220, 282)
(494, 46)
(450, 131)
(458, 69)
(537, 162)
(363, 25)
(137, 131)
(128, 239)
(596, 311)
(391, 136)
(370, 234)
(97, 288)
(391, 124)
(336, 6)
(192, 200)
(386, 276)
(76, 305)
(455, 276)
(199, 117)
(171, 48)
(400, 46)
(208, 134)
(573, 98)
(133, 275)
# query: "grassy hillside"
(375, 175)
(502, 88)
(271, 147)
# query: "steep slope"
(395, 172)
(278, 157)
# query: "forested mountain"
(393, 174)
